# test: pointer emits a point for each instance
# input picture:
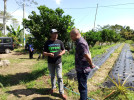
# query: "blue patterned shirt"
(81, 64)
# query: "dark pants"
(82, 84)
(30, 54)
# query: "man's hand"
(51, 55)
(61, 53)
(93, 66)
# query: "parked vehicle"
(6, 44)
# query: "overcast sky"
(83, 11)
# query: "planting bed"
(123, 67)
(98, 61)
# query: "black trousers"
(30, 54)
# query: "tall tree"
(126, 32)
(117, 28)
(40, 25)
(92, 37)
(110, 36)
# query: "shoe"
(51, 91)
(64, 96)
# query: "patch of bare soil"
(4, 55)
(102, 73)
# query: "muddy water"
(123, 68)
(98, 61)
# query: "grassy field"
(29, 78)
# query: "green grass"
(67, 62)
(20, 49)
(98, 50)
(34, 79)
(3, 95)
(129, 41)
(16, 60)
(41, 65)
(39, 69)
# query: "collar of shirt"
(78, 40)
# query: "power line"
(19, 3)
(103, 6)
(118, 5)
(83, 18)
(119, 8)
(15, 10)
(107, 6)
(80, 8)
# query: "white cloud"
(58, 2)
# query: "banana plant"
(16, 34)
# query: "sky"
(82, 11)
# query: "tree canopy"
(40, 25)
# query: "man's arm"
(61, 53)
(48, 54)
(88, 57)
(62, 48)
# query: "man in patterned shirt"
(83, 62)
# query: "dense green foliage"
(124, 31)
(110, 36)
(92, 37)
(107, 33)
(40, 25)
(101, 36)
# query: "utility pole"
(23, 18)
(23, 3)
(4, 17)
(95, 16)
